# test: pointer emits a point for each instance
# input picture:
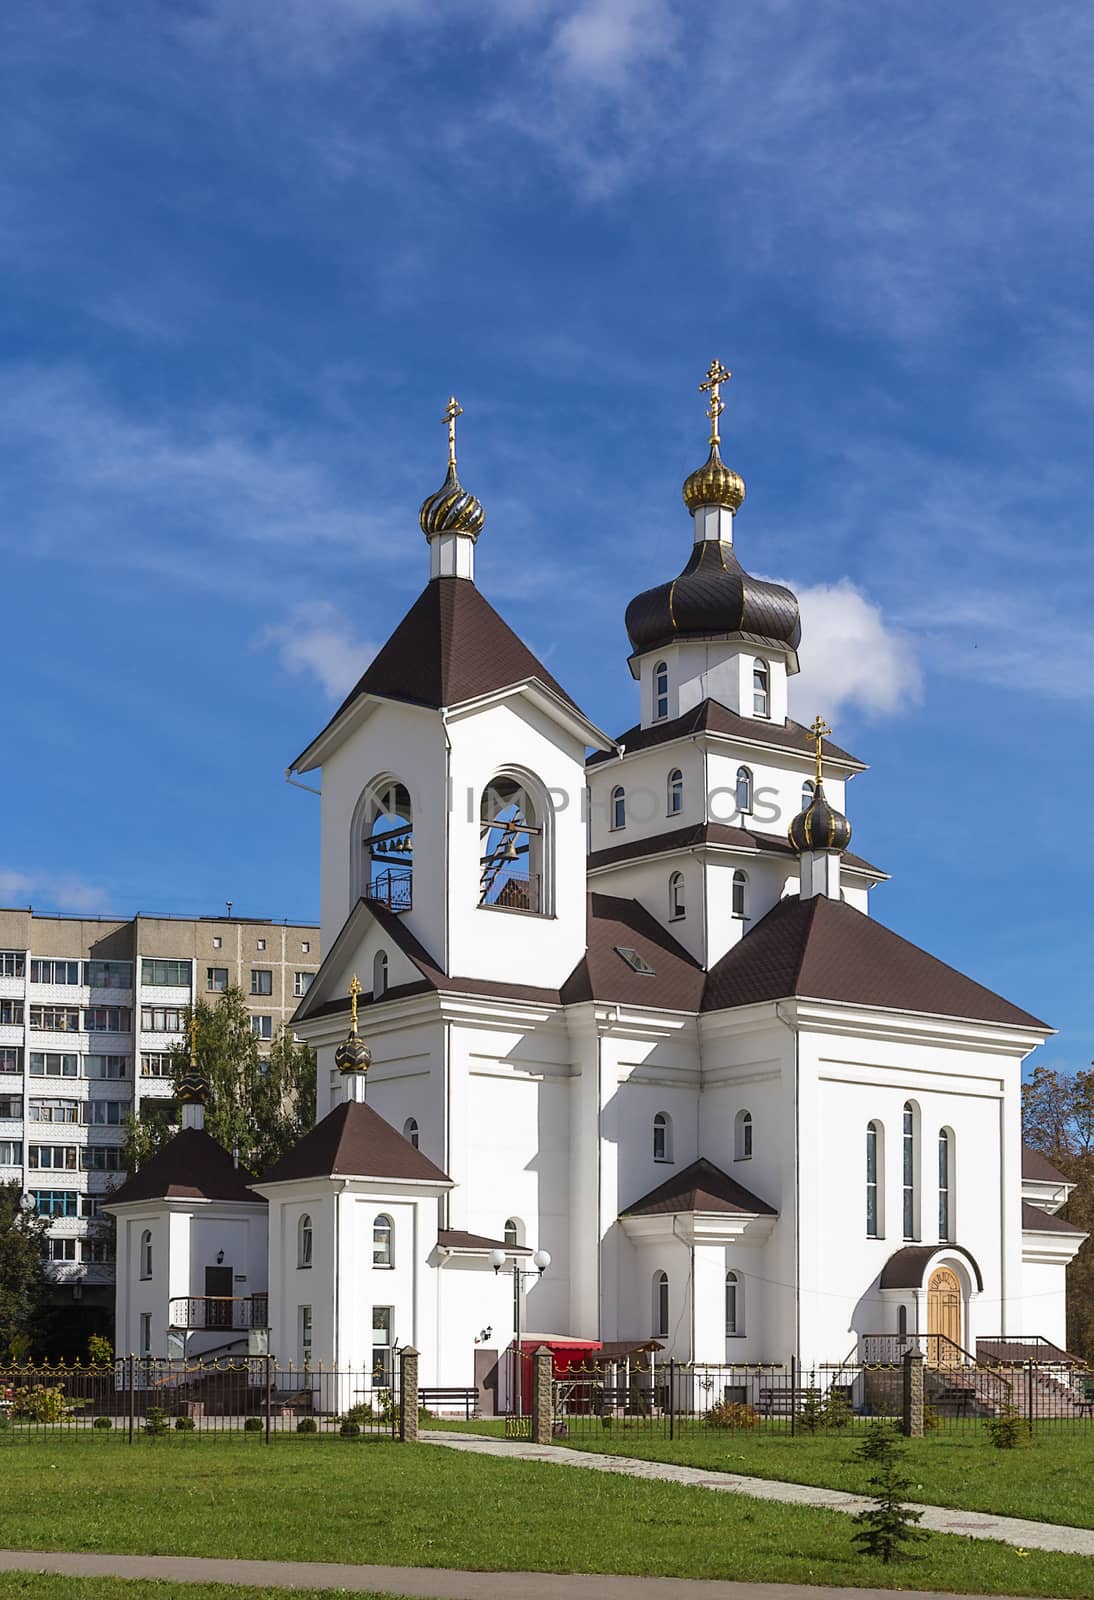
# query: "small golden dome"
(452, 509)
(714, 484)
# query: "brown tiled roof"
(710, 716)
(824, 949)
(1038, 1221)
(714, 833)
(676, 982)
(1039, 1169)
(457, 1239)
(191, 1167)
(905, 1267)
(354, 1141)
(700, 1187)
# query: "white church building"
(623, 1013)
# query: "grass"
(47, 1586)
(427, 1506)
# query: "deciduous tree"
(1058, 1120)
(23, 1284)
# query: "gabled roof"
(694, 834)
(710, 716)
(700, 1187)
(191, 1167)
(1034, 1220)
(354, 1141)
(1039, 1169)
(675, 980)
(450, 647)
(822, 949)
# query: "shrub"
(155, 1422)
(253, 1425)
(184, 1424)
(350, 1430)
(889, 1524)
(811, 1415)
(931, 1419)
(103, 1424)
(837, 1410)
(1007, 1431)
(100, 1352)
(731, 1414)
(39, 1403)
(307, 1425)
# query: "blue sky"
(249, 249)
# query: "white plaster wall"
(711, 670)
(777, 788)
(1042, 1308)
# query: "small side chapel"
(617, 1004)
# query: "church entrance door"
(944, 1318)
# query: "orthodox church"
(610, 1048)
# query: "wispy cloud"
(51, 890)
(319, 640)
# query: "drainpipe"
(797, 1184)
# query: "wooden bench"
(467, 1398)
(781, 1401)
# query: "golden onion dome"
(452, 509)
(714, 484)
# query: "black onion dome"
(353, 1054)
(452, 509)
(819, 826)
(191, 1087)
(714, 596)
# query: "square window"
(305, 947)
(216, 979)
(261, 944)
(261, 980)
(301, 983)
(218, 942)
(262, 1027)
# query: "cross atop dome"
(717, 374)
(451, 519)
(714, 485)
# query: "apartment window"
(873, 1164)
(945, 1185)
(53, 1064)
(11, 1058)
(661, 690)
(157, 1064)
(106, 1066)
(55, 1019)
(262, 1027)
(162, 1019)
(105, 1113)
(11, 1013)
(909, 1185)
(304, 1241)
(11, 1152)
(90, 1205)
(146, 1253)
(146, 1333)
(55, 972)
(305, 947)
(383, 1320)
(662, 1137)
(102, 1158)
(216, 979)
(218, 942)
(13, 964)
(383, 1242)
(11, 1105)
(410, 1131)
(261, 980)
(108, 1019)
(108, 974)
(53, 1157)
(55, 1202)
(660, 1305)
(166, 974)
(59, 1249)
(619, 807)
(260, 944)
(54, 1111)
(301, 983)
(97, 1252)
(761, 688)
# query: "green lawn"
(48, 1585)
(324, 1499)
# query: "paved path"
(939, 1519)
(436, 1583)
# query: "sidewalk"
(939, 1519)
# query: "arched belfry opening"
(383, 845)
(513, 857)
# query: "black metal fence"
(139, 1397)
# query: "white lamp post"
(540, 1262)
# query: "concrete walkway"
(939, 1519)
(433, 1583)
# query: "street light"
(540, 1262)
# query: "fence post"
(132, 1394)
(269, 1394)
(672, 1398)
(912, 1420)
(1029, 1396)
(793, 1395)
(543, 1411)
(408, 1394)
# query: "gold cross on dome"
(451, 411)
(717, 374)
(819, 730)
(354, 990)
(193, 1041)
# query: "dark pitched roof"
(715, 833)
(450, 647)
(191, 1167)
(457, 1239)
(354, 1141)
(905, 1267)
(824, 949)
(1034, 1220)
(675, 983)
(710, 716)
(700, 1187)
(1039, 1169)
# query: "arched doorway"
(944, 1320)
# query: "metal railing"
(209, 1313)
(515, 893)
(392, 889)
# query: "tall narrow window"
(304, 1242)
(146, 1333)
(677, 904)
(410, 1131)
(661, 690)
(761, 688)
(619, 807)
(734, 1319)
(742, 1142)
(676, 792)
(662, 1137)
(744, 791)
(873, 1215)
(739, 898)
(383, 1242)
(807, 794)
(909, 1171)
(660, 1305)
(945, 1185)
(511, 1233)
(146, 1253)
(379, 975)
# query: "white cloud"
(852, 658)
(318, 639)
(601, 40)
(58, 891)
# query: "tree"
(23, 1282)
(889, 1524)
(1058, 1120)
(257, 1105)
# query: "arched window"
(511, 1233)
(410, 1131)
(739, 899)
(661, 690)
(660, 1305)
(383, 1242)
(873, 1180)
(383, 830)
(662, 1137)
(761, 688)
(514, 858)
(742, 1136)
(619, 807)
(146, 1253)
(303, 1241)
(808, 791)
(735, 1322)
(945, 1185)
(902, 1323)
(744, 791)
(677, 905)
(676, 792)
(910, 1155)
(379, 975)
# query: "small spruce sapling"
(811, 1415)
(889, 1524)
(1007, 1431)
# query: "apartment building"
(89, 1011)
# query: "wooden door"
(218, 1303)
(944, 1315)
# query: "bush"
(811, 1415)
(103, 1424)
(307, 1425)
(253, 1425)
(837, 1411)
(155, 1422)
(39, 1403)
(731, 1414)
(350, 1430)
(1007, 1431)
(931, 1419)
(100, 1352)
(184, 1424)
